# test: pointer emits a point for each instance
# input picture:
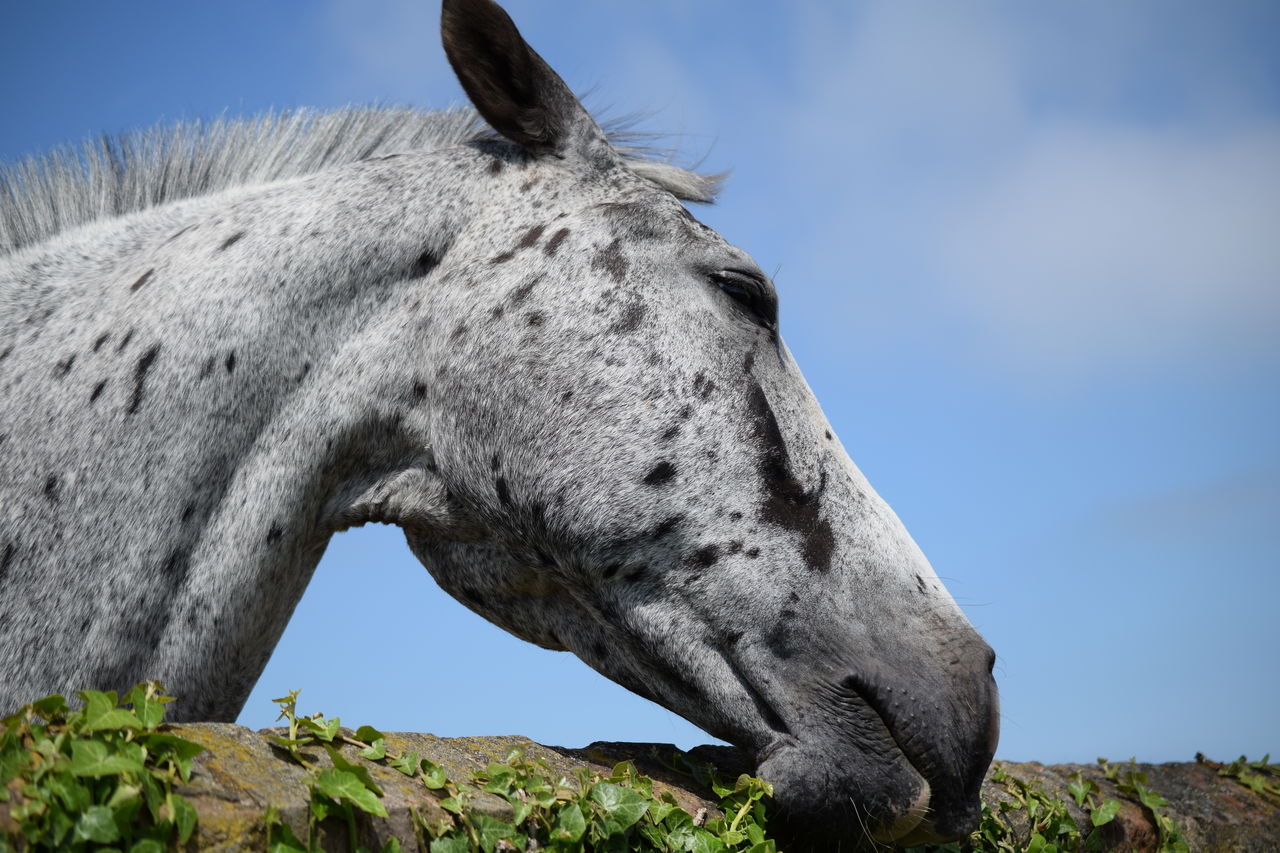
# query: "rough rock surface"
(242, 774)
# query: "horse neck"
(229, 390)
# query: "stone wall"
(242, 774)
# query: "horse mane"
(46, 194)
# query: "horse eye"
(752, 293)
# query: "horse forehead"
(656, 218)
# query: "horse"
(221, 344)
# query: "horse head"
(624, 461)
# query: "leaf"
(94, 758)
(344, 785)
(705, 842)
(491, 830)
(148, 703)
(451, 804)
(368, 734)
(147, 845)
(570, 824)
(434, 776)
(451, 844)
(622, 806)
(359, 771)
(54, 705)
(392, 845)
(184, 817)
(97, 824)
(407, 764)
(101, 714)
(1105, 813)
(376, 751)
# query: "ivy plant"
(99, 776)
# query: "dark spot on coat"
(535, 318)
(734, 547)
(208, 367)
(827, 433)
(735, 516)
(424, 264)
(630, 319)
(566, 396)
(529, 184)
(97, 391)
(521, 293)
(124, 342)
(187, 511)
(749, 362)
(5, 353)
(502, 257)
(667, 525)
(610, 260)
(496, 312)
(230, 241)
(786, 503)
(634, 574)
(504, 494)
(64, 366)
(419, 390)
(660, 474)
(101, 339)
(705, 557)
(752, 552)
(670, 432)
(732, 638)
(51, 488)
(495, 166)
(554, 243)
(702, 386)
(176, 234)
(779, 640)
(686, 411)
(140, 376)
(230, 362)
(274, 534)
(610, 570)
(920, 584)
(143, 279)
(530, 237)
(459, 332)
(6, 558)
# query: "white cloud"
(1102, 244)
(1068, 228)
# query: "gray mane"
(46, 194)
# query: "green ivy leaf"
(407, 764)
(97, 823)
(705, 842)
(94, 758)
(147, 845)
(622, 807)
(359, 771)
(184, 817)
(148, 703)
(376, 750)
(434, 776)
(344, 785)
(101, 714)
(491, 830)
(1105, 813)
(570, 824)
(451, 844)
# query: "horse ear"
(512, 87)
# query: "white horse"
(219, 347)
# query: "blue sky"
(1029, 259)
